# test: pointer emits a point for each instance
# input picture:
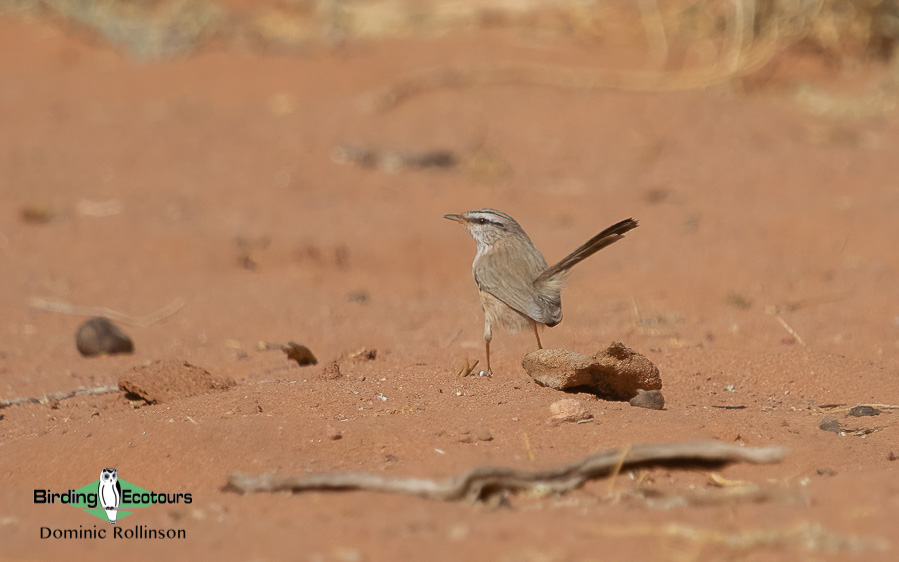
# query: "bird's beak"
(458, 218)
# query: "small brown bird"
(517, 288)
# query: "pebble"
(300, 353)
(99, 336)
(651, 399)
(331, 371)
(830, 424)
(861, 411)
(569, 410)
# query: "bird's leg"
(537, 333)
(488, 335)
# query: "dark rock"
(615, 372)
(99, 336)
(830, 424)
(651, 399)
(861, 411)
(300, 353)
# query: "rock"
(363, 354)
(651, 399)
(39, 213)
(482, 435)
(300, 353)
(99, 336)
(615, 372)
(569, 410)
(466, 437)
(861, 411)
(331, 371)
(334, 434)
(830, 424)
(166, 381)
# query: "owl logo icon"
(110, 492)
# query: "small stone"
(331, 371)
(826, 472)
(830, 424)
(651, 399)
(363, 354)
(99, 336)
(334, 434)
(38, 213)
(475, 436)
(360, 297)
(862, 411)
(484, 435)
(569, 410)
(300, 353)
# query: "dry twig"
(56, 396)
(484, 482)
(790, 330)
(139, 321)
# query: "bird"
(516, 287)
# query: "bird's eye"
(482, 221)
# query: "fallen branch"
(483, 482)
(139, 321)
(56, 396)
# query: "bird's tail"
(608, 236)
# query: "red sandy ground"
(743, 199)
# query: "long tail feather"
(608, 236)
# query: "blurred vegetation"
(151, 29)
(690, 43)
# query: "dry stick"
(527, 446)
(790, 330)
(623, 457)
(106, 389)
(140, 321)
(485, 481)
(742, 58)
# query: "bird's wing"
(512, 283)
